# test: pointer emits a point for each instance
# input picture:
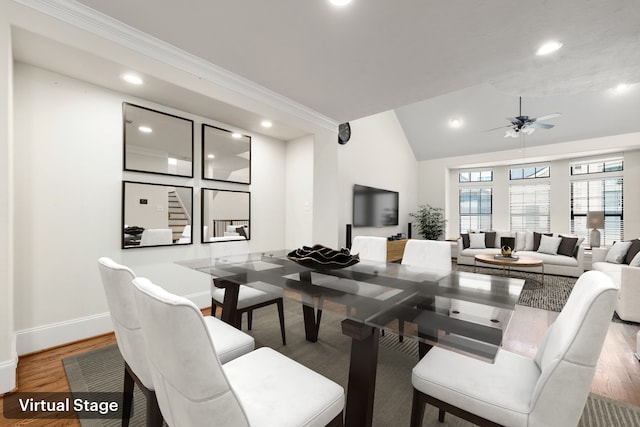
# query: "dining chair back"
(119, 290)
(429, 254)
(549, 389)
(156, 236)
(262, 387)
(370, 248)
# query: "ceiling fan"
(525, 124)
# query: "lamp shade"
(595, 219)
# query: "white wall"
(68, 206)
(378, 155)
(299, 192)
(8, 358)
(438, 182)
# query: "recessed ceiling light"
(145, 129)
(211, 156)
(340, 2)
(266, 124)
(622, 87)
(236, 135)
(549, 47)
(132, 79)
(455, 123)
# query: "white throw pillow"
(549, 245)
(528, 243)
(476, 241)
(520, 240)
(617, 252)
(635, 262)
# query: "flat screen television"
(374, 207)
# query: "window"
(597, 166)
(475, 208)
(476, 176)
(529, 172)
(598, 195)
(529, 207)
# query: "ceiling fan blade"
(548, 117)
(541, 125)
(501, 127)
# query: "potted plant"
(430, 221)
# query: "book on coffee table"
(507, 258)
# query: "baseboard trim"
(8, 376)
(56, 334)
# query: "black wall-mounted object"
(344, 133)
(348, 237)
(409, 228)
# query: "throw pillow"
(536, 239)
(617, 252)
(490, 239)
(465, 240)
(521, 237)
(549, 245)
(567, 246)
(476, 241)
(633, 251)
(635, 262)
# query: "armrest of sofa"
(460, 246)
(628, 306)
(599, 254)
(580, 257)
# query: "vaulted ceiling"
(430, 61)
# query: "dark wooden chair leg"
(417, 408)
(214, 307)
(441, 413)
(154, 416)
(280, 304)
(400, 330)
(249, 319)
(127, 397)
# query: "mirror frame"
(124, 140)
(203, 219)
(203, 160)
(122, 233)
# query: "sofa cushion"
(549, 245)
(633, 251)
(465, 240)
(473, 252)
(524, 241)
(614, 271)
(477, 241)
(562, 260)
(567, 246)
(536, 239)
(618, 252)
(489, 239)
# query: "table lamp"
(595, 220)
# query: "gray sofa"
(563, 265)
(626, 277)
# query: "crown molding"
(97, 23)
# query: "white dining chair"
(431, 255)
(119, 290)
(547, 390)
(261, 388)
(249, 298)
(370, 248)
(156, 236)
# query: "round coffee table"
(506, 263)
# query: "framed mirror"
(226, 155)
(226, 215)
(156, 215)
(156, 142)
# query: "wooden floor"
(617, 375)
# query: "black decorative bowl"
(321, 257)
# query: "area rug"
(550, 295)
(102, 370)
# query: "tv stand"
(395, 250)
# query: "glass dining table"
(463, 312)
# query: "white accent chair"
(249, 298)
(428, 254)
(261, 388)
(548, 390)
(370, 248)
(156, 237)
(119, 290)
